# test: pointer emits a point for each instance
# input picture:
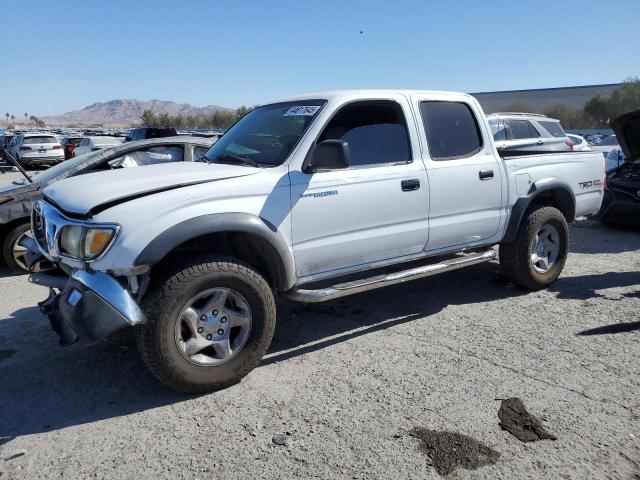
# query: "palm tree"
(26, 118)
(7, 116)
(13, 118)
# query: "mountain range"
(124, 112)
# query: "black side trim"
(522, 204)
(195, 227)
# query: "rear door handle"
(485, 174)
(539, 142)
(408, 185)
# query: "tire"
(160, 340)
(11, 259)
(517, 258)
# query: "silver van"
(528, 132)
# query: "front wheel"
(537, 256)
(12, 252)
(208, 324)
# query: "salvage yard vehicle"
(17, 198)
(33, 149)
(528, 132)
(145, 133)
(93, 144)
(68, 145)
(305, 198)
(621, 203)
(580, 144)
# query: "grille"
(38, 226)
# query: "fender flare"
(195, 227)
(522, 204)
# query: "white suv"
(32, 149)
(528, 132)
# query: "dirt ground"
(346, 383)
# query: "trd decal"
(590, 184)
(326, 193)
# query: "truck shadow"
(46, 388)
(587, 286)
(594, 237)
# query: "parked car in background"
(17, 198)
(528, 132)
(606, 145)
(5, 142)
(36, 149)
(93, 144)
(68, 145)
(580, 144)
(143, 133)
(615, 158)
(621, 201)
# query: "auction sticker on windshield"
(305, 110)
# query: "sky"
(62, 56)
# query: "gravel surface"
(346, 382)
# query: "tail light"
(95, 149)
(23, 149)
(56, 147)
(569, 144)
(604, 182)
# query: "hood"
(89, 194)
(15, 190)
(627, 130)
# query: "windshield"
(65, 166)
(266, 135)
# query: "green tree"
(624, 99)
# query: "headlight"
(85, 243)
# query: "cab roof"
(332, 95)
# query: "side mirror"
(327, 155)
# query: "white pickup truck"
(305, 198)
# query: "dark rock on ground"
(515, 419)
(449, 450)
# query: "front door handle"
(485, 174)
(409, 185)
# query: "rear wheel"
(208, 324)
(537, 256)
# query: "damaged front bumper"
(89, 306)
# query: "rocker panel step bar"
(363, 285)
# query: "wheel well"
(248, 247)
(7, 227)
(558, 198)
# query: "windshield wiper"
(236, 159)
(15, 163)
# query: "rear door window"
(149, 156)
(198, 152)
(451, 128)
(522, 129)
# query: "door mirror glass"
(328, 155)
